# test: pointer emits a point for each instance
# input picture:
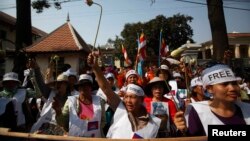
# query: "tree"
(24, 30)
(23, 35)
(39, 5)
(218, 28)
(175, 30)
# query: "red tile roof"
(238, 35)
(64, 38)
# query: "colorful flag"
(164, 48)
(125, 54)
(142, 48)
(141, 55)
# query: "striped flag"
(164, 48)
(142, 48)
(141, 55)
(125, 54)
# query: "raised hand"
(92, 59)
(180, 122)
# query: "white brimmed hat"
(11, 76)
(155, 80)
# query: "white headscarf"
(135, 89)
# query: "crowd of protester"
(170, 100)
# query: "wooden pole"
(6, 133)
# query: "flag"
(125, 54)
(136, 136)
(160, 46)
(141, 55)
(139, 68)
(164, 48)
(142, 48)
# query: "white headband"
(196, 81)
(134, 89)
(218, 76)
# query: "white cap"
(196, 82)
(135, 89)
(177, 74)
(89, 72)
(62, 77)
(70, 72)
(11, 76)
(238, 78)
(86, 77)
(109, 75)
(131, 72)
(164, 67)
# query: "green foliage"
(175, 30)
(39, 5)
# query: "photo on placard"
(159, 108)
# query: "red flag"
(142, 48)
(125, 54)
(164, 48)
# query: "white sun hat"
(11, 76)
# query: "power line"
(66, 1)
(247, 1)
(214, 5)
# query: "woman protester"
(164, 73)
(15, 109)
(197, 91)
(109, 112)
(131, 119)
(159, 105)
(83, 114)
(223, 109)
(131, 77)
(55, 99)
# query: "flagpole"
(160, 40)
(89, 3)
(138, 43)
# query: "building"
(7, 41)
(65, 43)
(239, 43)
